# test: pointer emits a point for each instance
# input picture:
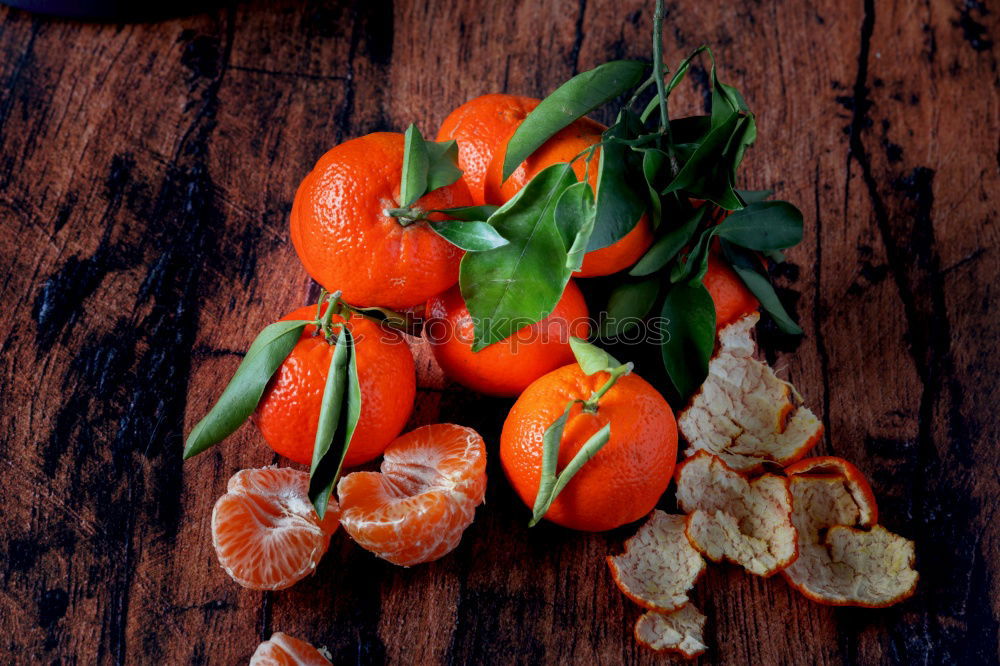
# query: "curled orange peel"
(854, 481)
(743, 412)
(679, 631)
(845, 559)
(730, 518)
(659, 566)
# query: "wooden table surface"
(146, 176)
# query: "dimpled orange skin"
(563, 147)
(507, 367)
(481, 126)
(288, 413)
(347, 243)
(626, 478)
(731, 297)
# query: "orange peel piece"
(841, 562)
(745, 522)
(743, 412)
(854, 482)
(659, 566)
(678, 631)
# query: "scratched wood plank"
(146, 173)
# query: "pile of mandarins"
(588, 444)
(431, 480)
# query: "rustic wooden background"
(146, 175)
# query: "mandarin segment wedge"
(745, 522)
(284, 650)
(680, 631)
(659, 566)
(416, 509)
(743, 412)
(841, 563)
(265, 530)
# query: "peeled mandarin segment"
(284, 650)
(679, 631)
(416, 509)
(659, 566)
(840, 564)
(743, 412)
(265, 530)
(746, 522)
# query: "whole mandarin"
(507, 367)
(288, 413)
(480, 127)
(731, 297)
(564, 146)
(347, 242)
(625, 479)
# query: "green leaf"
(689, 315)
(551, 440)
(745, 137)
(668, 245)
(695, 265)
(619, 205)
(469, 236)
(570, 101)
(753, 196)
(683, 67)
(338, 417)
(574, 218)
(655, 166)
(766, 225)
(240, 397)
(416, 164)
(442, 168)
(516, 285)
(726, 100)
(747, 267)
(586, 452)
(592, 359)
(709, 173)
(467, 213)
(675, 80)
(400, 321)
(690, 129)
(628, 304)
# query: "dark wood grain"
(146, 175)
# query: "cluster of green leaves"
(555, 219)
(339, 411)
(682, 173)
